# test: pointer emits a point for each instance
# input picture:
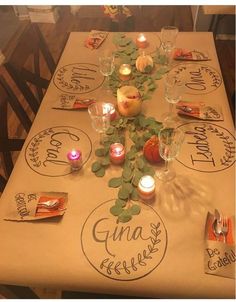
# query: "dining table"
(161, 251)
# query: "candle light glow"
(117, 153)
(75, 159)
(146, 187)
(141, 41)
(125, 72)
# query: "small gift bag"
(219, 254)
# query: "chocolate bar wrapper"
(27, 206)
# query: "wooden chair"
(7, 144)
(29, 62)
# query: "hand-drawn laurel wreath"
(67, 85)
(139, 260)
(34, 146)
(213, 74)
(228, 158)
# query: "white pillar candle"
(75, 159)
(141, 41)
(146, 187)
(125, 72)
(117, 153)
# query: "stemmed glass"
(170, 141)
(174, 86)
(100, 117)
(106, 67)
(168, 40)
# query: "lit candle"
(125, 72)
(141, 41)
(146, 187)
(110, 108)
(75, 159)
(117, 153)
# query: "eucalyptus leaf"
(105, 161)
(120, 202)
(99, 152)
(128, 187)
(135, 209)
(123, 193)
(116, 210)
(100, 172)
(96, 166)
(115, 182)
(124, 217)
(134, 195)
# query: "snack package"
(72, 102)
(33, 206)
(95, 39)
(193, 55)
(200, 110)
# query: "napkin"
(189, 55)
(219, 257)
(72, 102)
(27, 206)
(200, 110)
(95, 39)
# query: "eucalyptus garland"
(140, 129)
(128, 52)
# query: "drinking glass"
(100, 117)
(106, 67)
(168, 40)
(170, 141)
(174, 86)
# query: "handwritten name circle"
(78, 78)
(199, 78)
(124, 251)
(207, 147)
(46, 152)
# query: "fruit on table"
(151, 150)
(129, 101)
(144, 63)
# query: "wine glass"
(106, 67)
(174, 86)
(168, 40)
(100, 117)
(170, 141)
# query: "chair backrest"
(8, 100)
(30, 64)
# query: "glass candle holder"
(125, 72)
(117, 153)
(110, 108)
(141, 41)
(75, 159)
(146, 187)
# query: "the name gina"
(104, 235)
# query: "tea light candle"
(75, 159)
(125, 72)
(110, 108)
(117, 153)
(146, 187)
(141, 41)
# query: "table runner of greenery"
(139, 128)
